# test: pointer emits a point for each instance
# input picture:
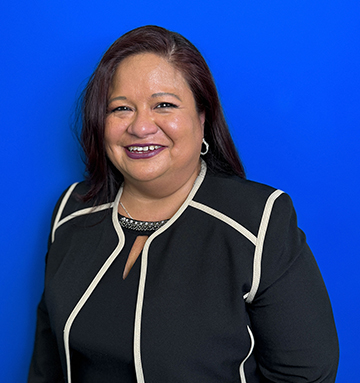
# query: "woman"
(164, 267)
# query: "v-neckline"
(135, 251)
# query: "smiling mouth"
(143, 149)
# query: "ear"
(202, 121)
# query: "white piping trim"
(88, 210)
(144, 262)
(260, 244)
(241, 368)
(93, 284)
(61, 208)
(235, 225)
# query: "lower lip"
(143, 155)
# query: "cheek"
(110, 142)
(111, 134)
(183, 128)
(108, 147)
(187, 140)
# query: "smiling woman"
(152, 106)
(218, 284)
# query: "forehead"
(148, 69)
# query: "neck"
(154, 201)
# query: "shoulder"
(70, 199)
(71, 202)
(243, 200)
(234, 187)
(71, 207)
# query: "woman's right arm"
(45, 364)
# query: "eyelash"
(120, 109)
(165, 105)
(161, 105)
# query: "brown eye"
(121, 109)
(165, 105)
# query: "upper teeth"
(143, 148)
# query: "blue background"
(288, 75)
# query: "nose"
(142, 125)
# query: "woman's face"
(152, 130)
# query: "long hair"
(222, 156)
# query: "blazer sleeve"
(45, 365)
(291, 315)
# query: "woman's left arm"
(291, 315)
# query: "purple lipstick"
(143, 151)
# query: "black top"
(227, 291)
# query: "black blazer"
(226, 291)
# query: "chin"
(145, 175)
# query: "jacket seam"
(85, 211)
(242, 364)
(143, 273)
(258, 240)
(224, 218)
(79, 305)
(61, 209)
(260, 244)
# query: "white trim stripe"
(260, 244)
(88, 210)
(144, 263)
(235, 225)
(241, 368)
(93, 285)
(61, 208)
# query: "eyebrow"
(160, 94)
(116, 98)
(165, 94)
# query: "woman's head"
(153, 131)
(183, 56)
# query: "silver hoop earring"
(206, 147)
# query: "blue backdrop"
(288, 75)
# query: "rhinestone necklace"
(133, 224)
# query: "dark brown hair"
(222, 156)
